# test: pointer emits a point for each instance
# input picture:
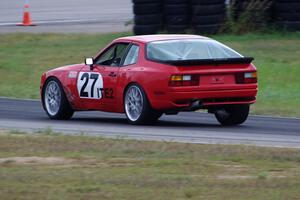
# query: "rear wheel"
(55, 102)
(232, 114)
(137, 107)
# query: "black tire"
(207, 2)
(208, 19)
(177, 19)
(148, 19)
(65, 110)
(208, 9)
(285, 1)
(145, 1)
(176, 1)
(290, 26)
(232, 114)
(147, 9)
(146, 29)
(176, 9)
(207, 29)
(282, 16)
(287, 7)
(176, 28)
(148, 115)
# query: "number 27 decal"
(90, 85)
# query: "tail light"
(247, 77)
(184, 80)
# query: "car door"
(97, 85)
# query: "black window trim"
(127, 51)
(113, 44)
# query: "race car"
(147, 76)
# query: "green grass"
(96, 168)
(23, 58)
(277, 58)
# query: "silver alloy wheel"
(133, 103)
(52, 98)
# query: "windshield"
(191, 49)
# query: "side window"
(113, 55)
(132, 55)
(107, 56)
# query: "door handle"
(112, 74)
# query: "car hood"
(74, 67)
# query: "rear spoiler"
(242, 60)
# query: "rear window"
(189, 49)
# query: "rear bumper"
(184, 99)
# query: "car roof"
(160, 37)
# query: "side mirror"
(90, 62)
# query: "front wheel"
(137, 107)
(232, 114)
(55, 102)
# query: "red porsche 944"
(147, 76)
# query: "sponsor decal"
(72, 74)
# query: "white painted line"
(107, 21)
(19, 99)
(274, 117)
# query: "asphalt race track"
(28, 115)
(67, 16)
(95, 16)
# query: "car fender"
(68, 82)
